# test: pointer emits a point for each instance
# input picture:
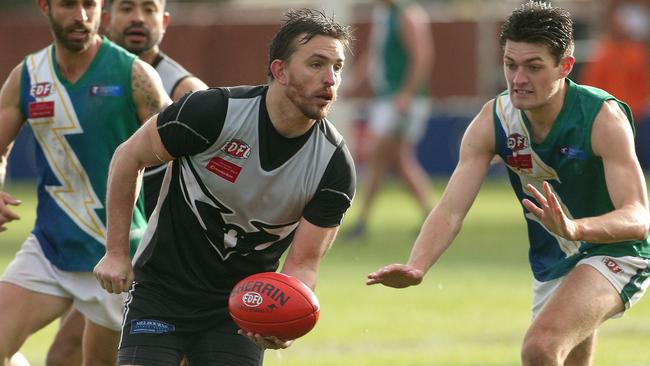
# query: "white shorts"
(628, 275)
(31, 270)
(384, 119)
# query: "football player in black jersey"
(254, 171)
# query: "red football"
(274, 304)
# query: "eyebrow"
(132, 2)
(529, 60)
(324, 57)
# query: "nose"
(137, 16)
(331, 77)
(81, 13)
(519, 77)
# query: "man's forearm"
(123, 183)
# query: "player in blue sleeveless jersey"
(570, 155)
(138, 26)
(254, 171)
(82, 96)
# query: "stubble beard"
(298, 96)
(60, 33)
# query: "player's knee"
(55, 358)
(540, 350)
(61, 356)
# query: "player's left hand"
(266, 342)
(396, 275)
(550, 212)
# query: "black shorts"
(158, 331)
(209, 349)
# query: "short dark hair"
(540, 22)
(309, 23)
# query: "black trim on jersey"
(245, 91)
(159, 57)
(193, 123)
(276, 149)
(171, 92)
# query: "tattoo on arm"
(148, 93)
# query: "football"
(274, 304)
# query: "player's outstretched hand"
(6, 215)
(266, 342)
(114, 273)
(550, 212)
(396, 275)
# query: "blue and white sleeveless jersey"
(77, 127)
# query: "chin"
(520, 104)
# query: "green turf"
(472, 309)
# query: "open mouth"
(78, 34)
(136, 34)
(522, 92)
(325, 97)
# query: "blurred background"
(225, 43)
(474, 307)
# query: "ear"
(165, 20)
(566, 65)
(43, 6)
(278, 70)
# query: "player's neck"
(150, 55)
(286, 118)
(541, 119)
(73, 65)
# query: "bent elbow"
(643, 229)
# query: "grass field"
(471, 310)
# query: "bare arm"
(142, 149)
(11, 119)
(445, 220)
(187, 85)
(310, 243)
(148, 92)
(613, 141)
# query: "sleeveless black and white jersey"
(171, 73)
(232, 199)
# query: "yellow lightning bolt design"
(75, 195)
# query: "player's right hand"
(396, 275)
(6, 215)
(266, 342)
(114, 273)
